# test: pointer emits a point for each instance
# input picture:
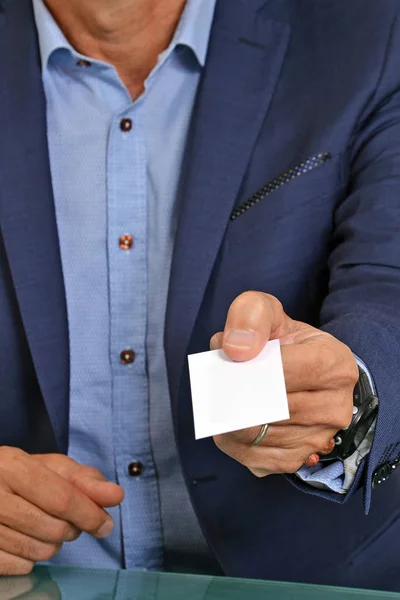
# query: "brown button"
(127, 357)
(126, 125)
(83, 64)
(125, 242)
(135, 469)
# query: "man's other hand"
(46, 500)
(320, 375)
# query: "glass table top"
(60, 583)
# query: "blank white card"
(228, 396)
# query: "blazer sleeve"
(362, 308)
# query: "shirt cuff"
(338, 476)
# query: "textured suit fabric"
(284, 81)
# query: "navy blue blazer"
(285, 81)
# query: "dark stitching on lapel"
(308, 165)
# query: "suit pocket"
(316, 176)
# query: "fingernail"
(240, 338)
(105, 529)
(313, 460)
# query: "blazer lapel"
(244, 61)
(27, 215)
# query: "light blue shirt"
(111, 181)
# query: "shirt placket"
(127, 257)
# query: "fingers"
(14, 565)
(284, 449)
(216, 341)
(53, 494)
(328, 448)
(321, 362)
(104, 494)
(18, 544)
(44, 501)
(263, 460)
(67, 467)
(314, 458)
(311, 359)
(20, 515)
(88, 479)
(285, 437)
(312, 461)
(254, 318)
(320, 375)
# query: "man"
(227, 173)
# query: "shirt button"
(127, 357)
(135, 469)
(125, 242)
(126, 125)
(83, 64)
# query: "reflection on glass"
(78, 584)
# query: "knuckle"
(325, 364)
(351, 372)
(277, 304)
(342, 416)
(345, 419)
(32, 518)
(343, 368)
(64, 501)
(8, 453)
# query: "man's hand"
(46, 500)
(320, 375)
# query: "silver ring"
(261, 435)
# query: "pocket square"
(308, 165)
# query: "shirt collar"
(51, 38)
(193, 30)
(195, 26)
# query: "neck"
(129, 34)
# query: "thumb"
(253, 319)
